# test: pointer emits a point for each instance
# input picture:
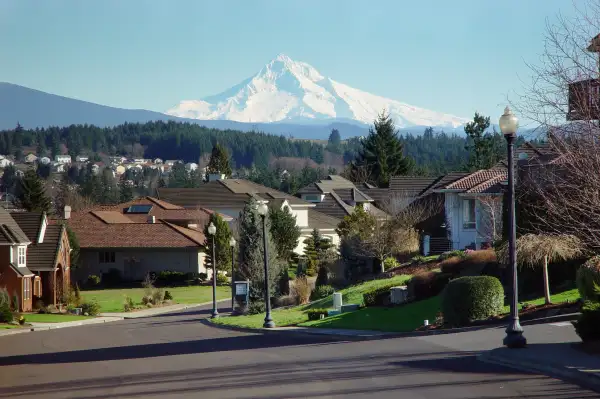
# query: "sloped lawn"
(111, 300)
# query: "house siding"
(459, 235)
(151, 260)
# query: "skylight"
(139, 209)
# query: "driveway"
(176, 356)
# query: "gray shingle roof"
(29, 222)
(42, 257)
(318, 220)
(10, 231)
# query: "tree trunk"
(546, 282)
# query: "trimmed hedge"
(315, 314)
(379, 296)
(467, 299)
(587, 275)
(587, 325)
(427, 285)
(321, 291)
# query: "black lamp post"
(263, 209)
(212, 230)
(232, 245)
(514, 332)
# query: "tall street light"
(212, 230)
(232, 245)
(514, 332)
(263, 209)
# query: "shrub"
(167, 277)
(202, 276)
(6, 316)
(587, 325)
(452, 254)
(469, 263)
(256, 307)
(146, 299)
(301, 290)
(157, 297)
(322, 276)
(321, 291)
(311, 267)
(389, 263)
(467, 299)
(128, 304)
(21, 320)
(93, 280)
(222, 279)
(284, 282)
(168, 296)
(315, 314)
(39, 304)
(452, 265)
(419, 259)
(587, 275)
(427, 285)
(4, 297)
(90, 308)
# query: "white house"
(58, 167)
(30, 158)
(191, 166)
(5, 162)
(62, 158)
(45, 160)
(82, 158)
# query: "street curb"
(373, 334)
(76, 324)
(13, 331)
(586, 380)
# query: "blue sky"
(450, 56)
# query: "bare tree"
(564, 187)
(490, 226)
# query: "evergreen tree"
(382, 152)
(251, 253)
(222, 248)
(284, 231)
(334, 144)
(125, 193)
(315, 251)
(219, 162)
(178, 177)
(485, 149)
(33, 193)
(9, 179)
(359, 224)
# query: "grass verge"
(53, 318)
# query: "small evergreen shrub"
(4, 297)
(90, 308)
(321, 291)
(315, 314)
(256, 307)
(284, 282)
(167, 277)
(168, 296)
(587, 325)
(322, 276)
(222, 279)
(427, 285)
(202, 276)
(588, 275)
(93, 280)
(389, 263)
(6, 316)
(467, 299)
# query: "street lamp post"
(212, 230)
(514, 332)
(263, 209)
(232, 245)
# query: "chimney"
(67, 212)
(151, 219)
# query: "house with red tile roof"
(141, 236)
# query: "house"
(82, 158)
(191, 166)
(45, 160)
(140, 236)
(5, 162)
(158, 161)
(336, 196)
(62, 158)
(117, 160)
(172, 162)
(229, 196)
(58, 167)
(20, 282)
(30, 158)
(48, 255)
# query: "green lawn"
(562, 297)
(295, 315)
(111, 300)
(53, 318)
(7, 326)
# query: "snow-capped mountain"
(285, 90)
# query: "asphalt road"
(176, 356)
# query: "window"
(139, 209)
(26, 288)
(469, 213)
(107, 257)
(21, 256)
(312, 198)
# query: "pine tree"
(382, 153)
(222, 248)
(33, 193)
(315, 251)
(125, 193)
(251, 253)
(485, 149)
(219, 162)
(359, 224)
(334, 144)
(284, 231)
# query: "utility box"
(242, 293)
(337, 301)
(399, 295)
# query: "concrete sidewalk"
(160, 310)
(560, 360)
(96, 320)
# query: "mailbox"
(242, 293)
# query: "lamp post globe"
(232, 245)
(263, 209)
(514, 338)
(212, 230)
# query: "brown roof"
(474, 179)
(493, 185)
(42, 257)
(412, 184)
(320, 221)
(111, 217)
(29, 222)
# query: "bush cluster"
(6, 315)
(379, 296)
(315, 314)
(587, 325)
(321, 291)
(222, 279)
(168, 277)
(93, 280)
(90, 308)
(588, 275)
(467, 299)
(427, 285)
